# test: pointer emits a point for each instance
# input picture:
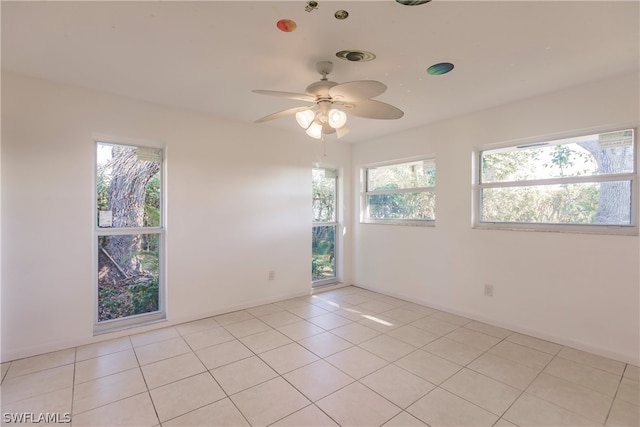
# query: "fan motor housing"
(320, 89)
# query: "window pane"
(323, 263)
(407, 175)
(598, 154)
(408, 206)
(324, 195)
(128, 186)
(605, 203)
(128, 278)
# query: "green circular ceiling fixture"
(441, 68)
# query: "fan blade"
(358, 90)
(288, 95)
(282, 113)
(370, 109)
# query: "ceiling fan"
(330, 103)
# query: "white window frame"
(622, 229)
(145, 318)
(364, 181)
(337, 244)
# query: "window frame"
(136, 320)
(337, 264)
(612, 229)
(365, 192)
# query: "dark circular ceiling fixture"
(341, 14)
(412, 2)
(441, 68)
(356, 55)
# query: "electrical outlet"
(272, 275)
(488, 290)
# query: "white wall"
(238, 201)
(576, 289)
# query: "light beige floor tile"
(575, 398)
(310, 416)
(356, 362)
(325, 344)
(355, 333)
(233, 317)
(326, 304)
(269, 402)
(535, 343)
(133, 411)
(523, 355)
(329, 321)
(307, 311)
(379, 323)
(318, 379)
(487, 329)
(632, 372)
(41, 362)
(504, 423)
(4, 368)
(169, 370)
(397, 385)
(243, 374)
(353, 299)
(55, 402)
(247, 327)
(412, 335)
(403, 315)
(103, 348)
(629, 391)
(388, 347)
(376, 306)
(450, 318)
(396, 302)
(435, 326)
(294, 302)
(356, 405)
(105, 365)
(222, 354)
(623, 414)
(483, 391)
(584, 375)
(184, 396)
(265, 341)
(37, 383)
(428, 366)
(222, 413)
(473, 338)
(263, 310)
(287, 358)
(427, 311)
(454, 351)
(197, 326)
(154, 336)
(161, 350)
(404, 419)
(202, 339)
(529, 410)
(280, 318)
(93, 394)
(354, 313)
(441, 408)
(592, 360)
(504, 370)
(300, 330)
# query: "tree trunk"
(126, 202)
(613, 207)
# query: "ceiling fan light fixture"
(305, 118)
(337, 118)
(315, 130)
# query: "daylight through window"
(402, 193)
(582, 181)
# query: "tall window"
(129, 231)
(400, 193)
(325, 224)
(584, 183)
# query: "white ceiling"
(207, 56)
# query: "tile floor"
(344, 357)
